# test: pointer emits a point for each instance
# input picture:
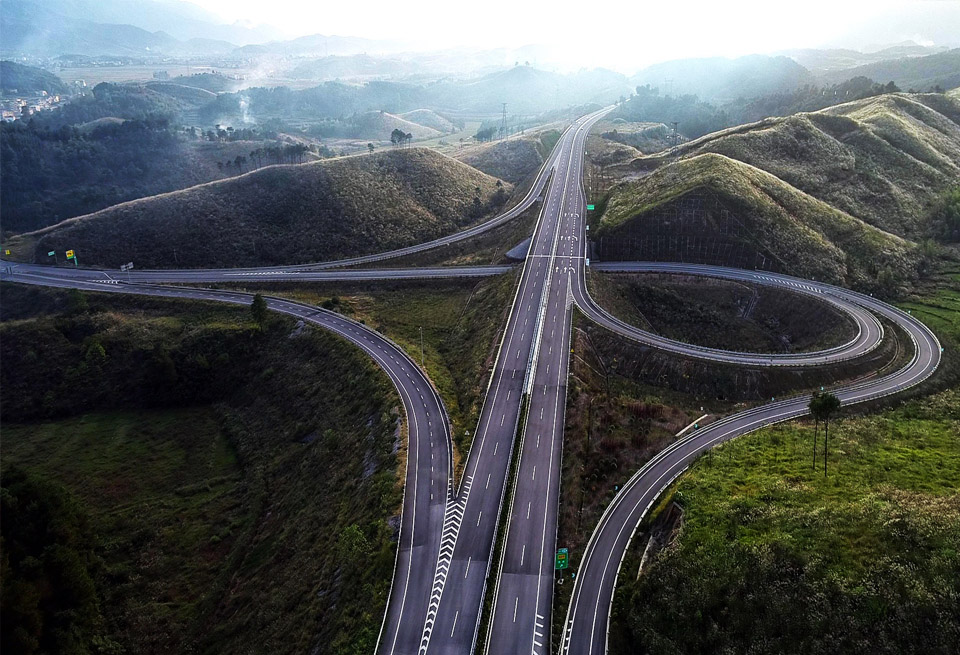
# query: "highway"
(428, 476)
(537, 324)
(447, 539)
(233, 275)
(587, 621)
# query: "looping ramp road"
(446, 552)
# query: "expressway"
(447, 539)
(233, 275)
(587, 622)
(537, 323)
(429, 472)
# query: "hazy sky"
(633, 33)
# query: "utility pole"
(675, 136)
(503, 121)
(421, 346)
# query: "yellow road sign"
(70, 254)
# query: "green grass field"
(775, 557)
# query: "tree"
(814, 406)
(239, 161)
(397, 136)
(823, 405)
(370, 148)
(259, 310)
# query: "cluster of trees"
(291, 153)
(399, 138)
(485, 134)
(230, 134)
(112, 100)
(946, 217)
(50, 602)
(48, 174)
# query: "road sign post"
(72, 255)
(53, 253)
(589, 208)
(563, 559)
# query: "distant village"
(14, 106)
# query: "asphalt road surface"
(538, 324)
(14, 271)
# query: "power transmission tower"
(503, 121)
(676, 135)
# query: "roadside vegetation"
(773, 557)
(462, 321)
(195, 483)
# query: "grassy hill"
(512, 160)
(714, 197)
(286, 214)
(378, 125)
(429, 118)
(920, 73)
(719, 78)
(237, 486)
(885, 159)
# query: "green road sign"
(51, 253)
(590, 208)
(563, 559)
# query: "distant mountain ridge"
(182, 21)
(720, 79)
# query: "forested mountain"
(29, 79)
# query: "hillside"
(429, 118)
(511, 160)
(235, 488)
(774, 557)
(716, 210)
(722, 79)
(286, 214)
(884, 159)
(378, 125)
(28, 80)
(919, 73)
